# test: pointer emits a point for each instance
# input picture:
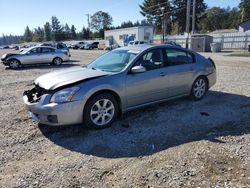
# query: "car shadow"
(158, 127)
(67, 64)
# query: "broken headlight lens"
(65, 95)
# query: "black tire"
(199, 88)
(57, 61)
(14, 64)
(91, 106)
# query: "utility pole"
(188, 21)
(163, 24)
(88, 15)
(193, 17)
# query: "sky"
(15, 15)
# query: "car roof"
(43, 47)
(142, 47)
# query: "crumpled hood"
(67, 76)
(5, 56)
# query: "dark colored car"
(173, 43)
(92, 45)
(78, 45)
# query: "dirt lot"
(180, 143)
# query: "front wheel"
(199, 88)
(57, 61)
(14, 64)
(100, 111)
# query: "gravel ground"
(179, 143)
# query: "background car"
(78, 45)
(57, 45)
(35, 55)
(92, 45)
(173, 43)
(131, 43)
(120, 80)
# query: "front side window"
(152, 60)
(35, 50)
(178, 57)
(113, 61)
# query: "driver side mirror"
(138, 69)
(28, 53)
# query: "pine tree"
(179, 14)
(56, 29)
(67, 32)
(47, 32)
(73, 32)
(27, 35)
(245, 10)
(152, 10)
(38, 35)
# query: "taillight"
(212, 62)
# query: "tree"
(9, 39)
(66, 32)
(73, 32)
(152, 10)
(38, 35)
(84, 34)
(244, 10)
(56, 29)
(47, 32)
(179, 14)
(101, 21)
(127, 24)
(27, 35)
(219, 18)
(234, 18)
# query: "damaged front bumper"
(55, 114)
(5, 62)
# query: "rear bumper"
(66, 58)
(212, 79)
(54, 114)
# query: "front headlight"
(65, 95)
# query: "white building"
(244, 26)
(121, 37)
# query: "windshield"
(25, 50)
(113, 61)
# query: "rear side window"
(178, 57)
(47, 50)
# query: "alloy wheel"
(102, 112)
(14, 64)
(199, 88)
(57, 61)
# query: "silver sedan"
(118, 81)
(36, 55)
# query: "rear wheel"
(199, 88)
(57, 61)
(14, 64)
(100, 111)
